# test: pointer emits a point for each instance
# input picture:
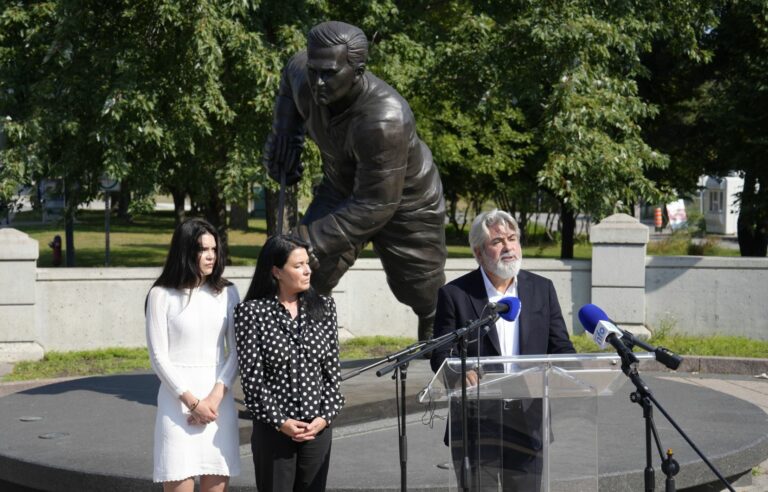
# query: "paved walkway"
(753, 390)
(372, 440)
(365, 450)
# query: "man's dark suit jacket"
(541, 324)
(542, 331)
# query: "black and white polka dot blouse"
(289, 368)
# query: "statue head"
(336, 56)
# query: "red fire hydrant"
(56, 246)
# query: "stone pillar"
(19, 338)
(618, 270)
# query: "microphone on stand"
(507, 307)
(604, 332)
(591, 316)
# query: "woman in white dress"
(190, 336)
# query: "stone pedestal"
(19, 338)
(618, 270)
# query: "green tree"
(741, 92)
(578, 85)
(188, 110)
(23, 45)
(170, 93)
(53, 82)
(514, 96)
(713, 115)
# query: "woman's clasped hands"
(303, 431)
(207, 409)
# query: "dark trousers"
(283, 465)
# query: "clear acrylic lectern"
(518, 401)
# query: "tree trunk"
(179, 195)
(238, 217)
(548, 228)
(568, 217)
(69, 234)
(124, 201)
(451, 200)
(216, 214)
(69, 223)
(523, 224)
(290, 210)
(752, 224)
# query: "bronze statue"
(379, 182)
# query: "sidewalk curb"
(741, 366)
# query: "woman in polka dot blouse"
(287, 346)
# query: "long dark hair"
(182, 270)
(275, 252)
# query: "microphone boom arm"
(670, 359)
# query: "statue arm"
(282, 150)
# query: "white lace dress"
(190, 336)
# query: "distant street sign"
(107, 183)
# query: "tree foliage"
(580, 99)
(713, 118)
(166, 94)
(514, 97)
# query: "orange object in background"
(658, 219)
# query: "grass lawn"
(145, 241)
(121, 360)
(681, 243)
(81, 363)
(684, 345)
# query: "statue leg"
(414, 261)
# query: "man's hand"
(472, 378)
(283, 153)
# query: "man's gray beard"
(505, 271)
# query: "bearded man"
(539, 329)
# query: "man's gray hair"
(478, 233)
(334, 33)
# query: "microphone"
(507, 307)
(590, 315)
(594, 320)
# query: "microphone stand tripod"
(400, 375)
(643, 397)
(440, 342)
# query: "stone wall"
(702, 295)
(84, 308)
(19, 333)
